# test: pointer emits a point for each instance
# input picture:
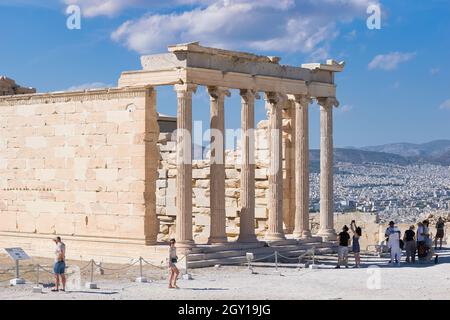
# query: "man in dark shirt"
(410, 244)
(344, 241)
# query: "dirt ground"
(375, 280)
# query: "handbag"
(174, 260)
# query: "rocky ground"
(375, 280)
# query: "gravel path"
(376, 280)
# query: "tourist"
(173, 270)
(390, 229)
(357, 232)
(410, 244)
(394, 243)
(440, 225)
(344, 240)
(426, 234)
(421, 249)
(60, 264)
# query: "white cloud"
(305, 26)
(434, 71)
(345, 108)
(351, 35)
(445, 105)
(390, 61)
(110, 8)
(89, 86)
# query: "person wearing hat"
(390, 229)
(393, 240)
(60, 264)
(410, 244)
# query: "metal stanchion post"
(250, 257)
(91, 285)
(187, 275)
(141, 278)
(276, 261)
(18, 279)
(313, 265)
(37, 288)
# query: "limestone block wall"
(76, 164)
(166, 187)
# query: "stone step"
(225, 247)
(238, 257)
(238, 260)
(255, 251)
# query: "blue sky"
(395, 87)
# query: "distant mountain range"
(434, 152)
(437, 152)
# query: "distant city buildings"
(396, 192)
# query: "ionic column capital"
(218, 92)
(274, 98)
(328, 102)
(182, 89)
(248, 94)
(302, 99)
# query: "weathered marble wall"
(75, 164)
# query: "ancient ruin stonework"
(87, 165)
(76, 164)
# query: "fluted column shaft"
(247, 214)
(301, 106)
(184, 165)
(326, 168)
(217, 166)
(275, 222)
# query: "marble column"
(326, 230)
(274, 106)
(184, 165)
(247, 214)
(217, 166)
(301, 106)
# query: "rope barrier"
(44, 269)
(263, 258)
(151, 264)
(92, 263)
(115, 269)
(86, 266)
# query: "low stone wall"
(372, 229)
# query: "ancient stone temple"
(92, 165)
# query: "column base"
(327, 234)
(218, 240)
(150, 242)
(275, 236)
(304, 234)
(249, 238)
(185, 244)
